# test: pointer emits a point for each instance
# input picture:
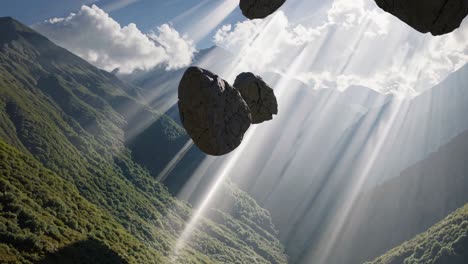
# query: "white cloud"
(93, 35)
(446, 53)
(356, 44)
(263, 42)
(179, 48)
(384, 82)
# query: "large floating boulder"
(436, 16)
(212, 112)
(253, 9)
(258, 95)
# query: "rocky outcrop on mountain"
(258, 96)
(436, 16)
(212, 111)
(259, 8)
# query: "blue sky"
(330, 43)
(146, 14)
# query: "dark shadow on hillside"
(89, 251)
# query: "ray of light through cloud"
(390, 57)
(205, 17)
(118, 4)
(357, 45)
(221, 176)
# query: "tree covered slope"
(423, 194)
(41, 213)
(444, 243)
(71, 185)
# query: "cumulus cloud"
(272, 43)
(447, 53)
(264, 40)
(262, 43)
(356, 44)
(352, 13)
(178, 48)
(387, 82)
(93, 35)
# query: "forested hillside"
(69, 183)
(444, 243)
(421, 196)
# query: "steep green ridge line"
(74, 122)
(444, 243)
(41, 213)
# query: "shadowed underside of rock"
(436, 16)
(258, 96)
(212, 112)
(259, 8)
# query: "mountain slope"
(444, 243)
(421, 196)
(326, 151)
(160, 85)
(41, 213)
(76, 121)
(159, 89)
(329, 143)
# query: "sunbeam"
(208, 20)
(223, 173)
(331, 134)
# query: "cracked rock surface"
(258, 96)
(259, 8)
(212, 112)
(436, 16)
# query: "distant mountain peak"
(9, 24)
(11, 29)
(7, 19)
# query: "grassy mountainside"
(420, 197)
(444, 243)
(70, 184)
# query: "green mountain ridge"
(73, 182)
(444, 243)
(421, 196)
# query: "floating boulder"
(436, 16)
(258, 96)
(213, 113)
(259, 8)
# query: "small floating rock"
(213, 113)
(436, 16)
(253, 9)
(258, 95)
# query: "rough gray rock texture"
(258, 95)
(212, 111)
(259, 8)
(436, 16)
